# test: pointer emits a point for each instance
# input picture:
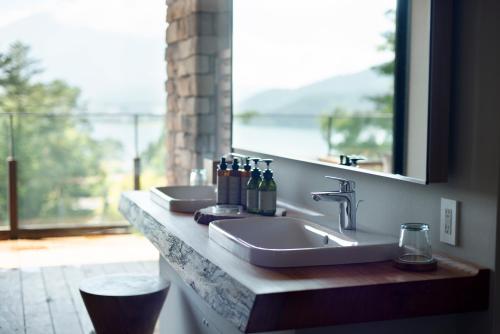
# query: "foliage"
(385, 102)
(58, 160)
(355, 135)
(247, 116)
(369, 136)
(154, 156)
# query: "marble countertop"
(263, 299)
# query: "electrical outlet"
(448, 230)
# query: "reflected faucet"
(346, 197)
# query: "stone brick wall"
(198, 86)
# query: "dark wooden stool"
(124, 304)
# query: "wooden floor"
(39, 279)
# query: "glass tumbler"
(198, 177)
(415, 244)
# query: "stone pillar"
(198, 84)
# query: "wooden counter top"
(264, 299)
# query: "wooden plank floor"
(44, 298)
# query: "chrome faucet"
(346, 197)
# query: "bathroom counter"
(255, 299)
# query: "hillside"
(116, 71)
(345, 91)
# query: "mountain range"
(349, 92)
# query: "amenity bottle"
(234, 197)
(244, 178)
(222, 182)
(252, 188)
(267, 192)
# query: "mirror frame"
(439, 90)
(439, 99)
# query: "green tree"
(358, 133)
(247, 116)
(154, 156)
(355, 134)
(58, 160)
(385, 103)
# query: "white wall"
(473, 171)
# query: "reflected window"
(315, 82)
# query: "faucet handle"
(345, 185)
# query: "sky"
(291, 43)
(112, 49)
(120, 16)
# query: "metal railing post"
(137, 173)
(329, 135)
(137, 159)
(12, 191)
(13, 209)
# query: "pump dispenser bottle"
(234, 183)
(244, 178)
(267, 192)
(252, 188)
(222, 182)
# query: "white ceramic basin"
(183, 198)
(292, 242)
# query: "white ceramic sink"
(292, 242)
(183, 198)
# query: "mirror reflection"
(315, 82)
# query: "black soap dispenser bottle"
(267, 192)
(222, 182)
(244, 178)
(252, 188)
(234, 197)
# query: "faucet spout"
(346, 197)
(329, 196)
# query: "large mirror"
(360, 84)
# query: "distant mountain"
(346, 91)
(117, 72)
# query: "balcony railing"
(321, 137)
(64, 172)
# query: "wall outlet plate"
(448, 229)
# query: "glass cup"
(415, 244)
(198, 177)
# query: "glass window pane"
(101, 69)
(152, 151)
(72, 170)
